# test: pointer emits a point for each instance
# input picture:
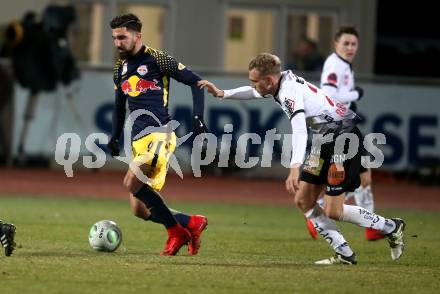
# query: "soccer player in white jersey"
(320, 170)
(337, 81)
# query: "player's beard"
(126, 53)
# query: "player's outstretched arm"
(240, 93)
(212, 89)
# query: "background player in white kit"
(337, 81)
(300, 100)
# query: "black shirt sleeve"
(169, 66)
(120, 101)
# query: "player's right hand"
(113, 147)
(292, 181)
(360, 92)
(212, 89)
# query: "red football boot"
(373, 235)
(196, 225)
(311, 228)
(177, 237)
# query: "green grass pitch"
(246, 249)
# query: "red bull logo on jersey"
(134, 86)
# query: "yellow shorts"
(155, 150)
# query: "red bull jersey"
(143, 81)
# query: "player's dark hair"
(350, 30)
(130, 21)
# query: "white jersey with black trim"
(300, 100)
(337, 79)
(296, 94)
(293, 96)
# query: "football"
(105, 235)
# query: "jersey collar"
(139, 53)
(275, 96)
(279, 85)
(344, 60)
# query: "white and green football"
(105, 235)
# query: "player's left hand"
(113, 147)
(360, 92)
(292, 181)
(199, 125)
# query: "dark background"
(408, 39)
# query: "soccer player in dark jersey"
(7, 234)
(142, 78)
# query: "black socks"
(160, 213)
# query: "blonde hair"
(266, 64)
